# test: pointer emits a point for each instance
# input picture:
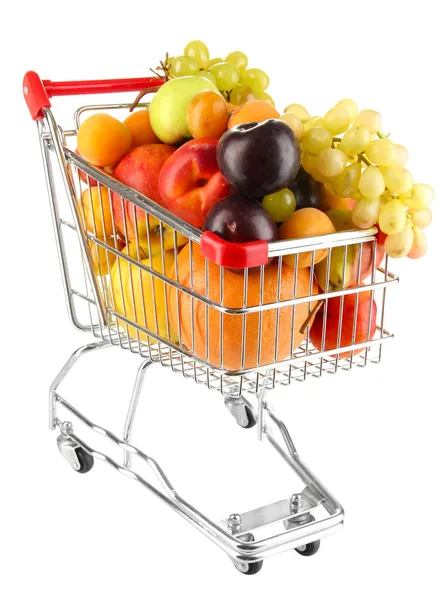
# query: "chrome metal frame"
(257, 534)
(272, 528)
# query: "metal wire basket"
(171, 299)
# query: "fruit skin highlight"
(233, 288)
(168, 109)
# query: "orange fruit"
(304, 223)
(232, 325)
(140, 128)
(253, 111)
(103, 140)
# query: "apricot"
(305, 223)
(207, 115)
(140, 128)
(96, 211)
(103, 140)
(253, 111)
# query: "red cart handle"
(37, 92)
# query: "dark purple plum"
(259, 158)
(307, 191)
(240, 219)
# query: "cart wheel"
(249, 568)
(248, 423)
(84, 460)
(309, 549)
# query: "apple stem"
(311, 316)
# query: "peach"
(253, 111)
(140, 128)
(103, 140)
(140, 170)
(96, 211)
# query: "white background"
(374, 436)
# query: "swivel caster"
(249, 568)
(78, 458)
(309, 549)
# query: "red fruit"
(139, 169)
(190, 182)
(332, 323)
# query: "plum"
(259, 158)
(307, 191)
(237, 218)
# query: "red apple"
(190, 182)
(365, 310)
(139, 169)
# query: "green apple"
(168, 109)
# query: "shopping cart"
(135, 306)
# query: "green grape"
(255, 79)
(226, 75)
(280, 204)
(381, 152)
(199, 51)
(372, 183)
(331, 162)
(370, 119)
(337, 120)
(401, 156)
(355, 140)
(309, 162)
(316, 140)
(207, 75)
(299, 111)
(392, 217)
(365, 212)
(238, 59)
(418, 248)
(294, 123)
(398, 180)
(241, 94)
(421, 217)
(214, 61)
(182, 66)
(346, 183)
(265, 96)
(350, 106)
(399, 244)
(421, 196)
(329, 187)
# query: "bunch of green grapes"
(231, 76)
(367, 166)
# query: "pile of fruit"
(213, 149)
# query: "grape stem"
(382, 136)
(162, 73)
(362, 158)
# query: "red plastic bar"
(37, 92)
(233, 255)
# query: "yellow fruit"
(132, 296)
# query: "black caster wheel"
(248, 423)
(249, 568)
(309, 549)
(84, 460)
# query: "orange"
(253, 111)
(305, 223)
(233, 324)
(140, 128)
